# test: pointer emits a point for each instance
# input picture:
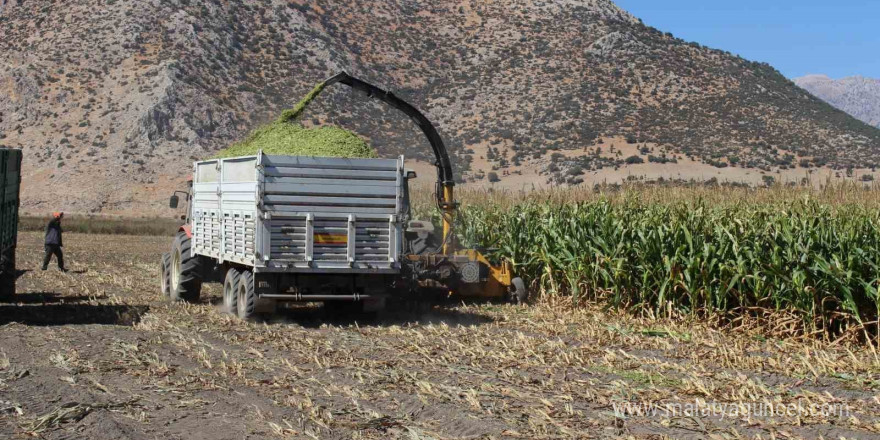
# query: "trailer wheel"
(186, 280)
(230, 290)
(519, 294)
(165, 275)
(247, 298)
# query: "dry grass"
(834, 193)
(105, 225)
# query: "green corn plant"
(820, 259)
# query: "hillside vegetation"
(113, 100)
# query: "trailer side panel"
(300, 214)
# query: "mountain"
(113, 100)
(856, 95)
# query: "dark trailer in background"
(10, 184)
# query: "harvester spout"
(444, 194)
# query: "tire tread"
(189, 286)
(248, 310)
(232, 277)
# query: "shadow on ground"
(47, 298)
(49, 314)
(316, 315)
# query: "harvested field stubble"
(457, 371)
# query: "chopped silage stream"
(286, 136)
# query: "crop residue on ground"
(71, 368)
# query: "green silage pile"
(293, 139)
(285, 136)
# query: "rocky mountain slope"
(112, 100)
(856, 95)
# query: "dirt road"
(96, 354)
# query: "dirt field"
(95, 354)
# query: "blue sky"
(838, 38)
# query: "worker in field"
(54, 242)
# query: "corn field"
(796, 251)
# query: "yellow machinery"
(464, 272)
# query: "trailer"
(295, 228)
(276, 228)
(10, 184)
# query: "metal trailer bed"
(297, 214)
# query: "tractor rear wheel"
(186, 271)
(247, 297)
(519, 294)
(165, 275)
(230, 291)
